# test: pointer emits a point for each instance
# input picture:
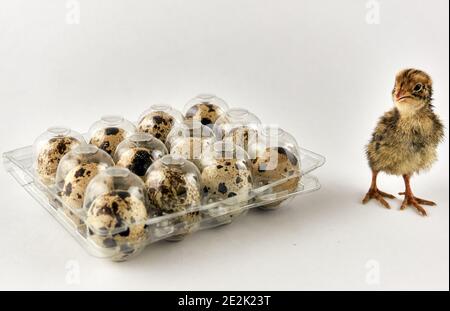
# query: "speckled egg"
(287, 165)
(111, 211)
(206, 113)
(171, 191)
(226, 178)
(108, 139)
(158, 124)
(50, 155)
(137, 160)
(75, 184)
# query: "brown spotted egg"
(50, 155)
(170, 190)
(206, 113)
(274, 164)
(108, 138)
(75, 184)
(158, 124)
(116, 220)
(226, 178)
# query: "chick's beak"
(401, 95)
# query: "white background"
(317, 68)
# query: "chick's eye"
(418, 87)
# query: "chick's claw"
(411, 201)
(386, 195)
(379, 196)
(421, 201)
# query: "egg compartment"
(173, 187)
(227, 180)
(275, 162)
(239, 126)
(138, 152)
(205, 108)
(104, 243)
(108, 132)
(76, 169)
(159, 120)
(115, 212)
(190, 139)
(48, 150)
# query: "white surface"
(316, 67)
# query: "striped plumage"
(406, 138)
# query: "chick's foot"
(411, 200)
(421, 201)
(375, 193)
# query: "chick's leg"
(375, 193)
(410, 199)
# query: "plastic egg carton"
(18, 163)
(123, 186)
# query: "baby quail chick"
(406, 138)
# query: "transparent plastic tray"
(19, 162)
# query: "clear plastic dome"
(48, 150)
(109, 132)
(138, 152)
(276, 157)
(158, 120)
(226, 174)
(173, 186)
(238, 126)
(116, 212)
(76, 169)
(205, 108)
(190, 140)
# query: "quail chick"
(405, 140)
